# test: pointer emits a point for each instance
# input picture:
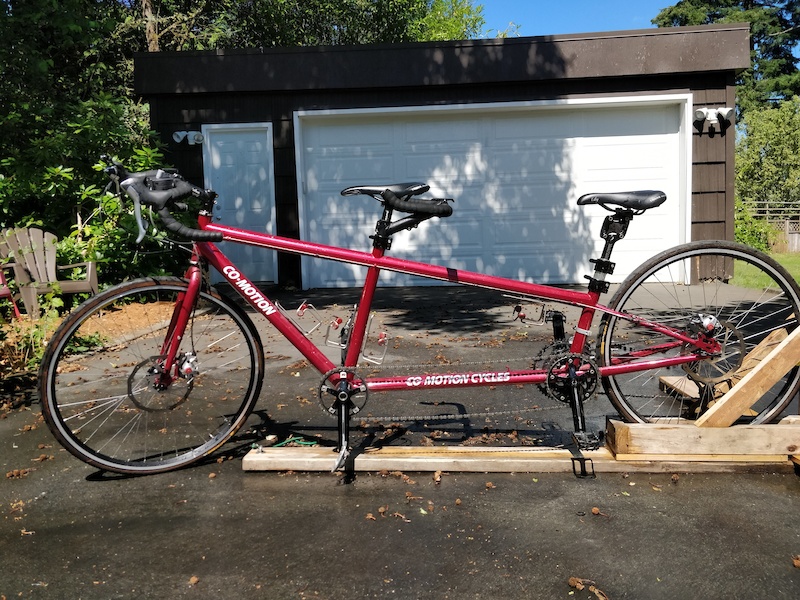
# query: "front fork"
(184, 306)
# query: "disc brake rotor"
(147, 390)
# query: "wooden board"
(463, 459)
(493, 460)
(648, 441)
(684, 386)
(758, 380)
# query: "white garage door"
(515, 173)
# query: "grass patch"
(747, 275)
(790, 262)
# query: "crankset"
(339, 385)
(569, 374)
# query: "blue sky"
(551, 17)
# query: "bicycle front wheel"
(103, 395)
(741, 297)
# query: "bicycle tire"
(674, 287)
(98, 390)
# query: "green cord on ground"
(296, 440)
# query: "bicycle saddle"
(398, 189)
(639, 200)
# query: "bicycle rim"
(101, 393)
(750, 301)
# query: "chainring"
(330, 392)
(571, 370)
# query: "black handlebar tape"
(195, 235)
(420, 206)
(159, 199)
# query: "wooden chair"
(33, 253)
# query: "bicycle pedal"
(586, 441)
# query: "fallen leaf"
(194, 580)
(598, 592)
(675, 477)
(437, 477)
(402, 517)
(490, 485)
(212, 475)
(578, 583)
(370, 517)
(17, 473)
(596, 511)
(796, 561)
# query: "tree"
(775, 32)
(768, 161)
(63, 103)
(65, 88)
(183, 25)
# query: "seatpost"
(615, 226)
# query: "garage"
(514, 129)
(515, 171)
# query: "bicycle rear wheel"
(102, 394)
(750, 301)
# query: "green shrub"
(757, 233)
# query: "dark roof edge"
(706, 48)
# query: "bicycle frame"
(184, 367)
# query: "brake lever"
(137, 212)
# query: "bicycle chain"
(458, 416)
(454, 416)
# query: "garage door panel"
(530, 165)
(371, 132)
(549, 125)
(331, 171)
(439, 242)
(441, 132)
(522, 230)
(439, 166)
(630, 121)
